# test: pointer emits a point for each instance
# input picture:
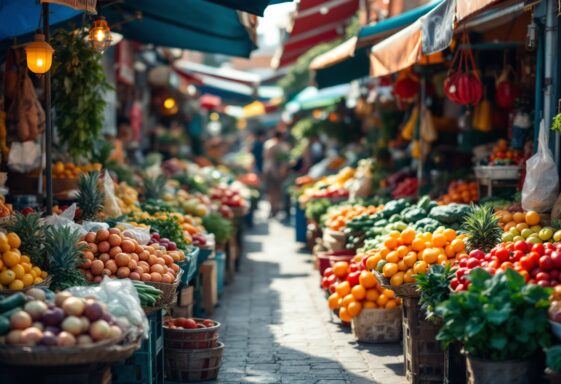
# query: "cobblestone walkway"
(277, 328)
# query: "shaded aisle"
(276, 325)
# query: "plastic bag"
(541, 185)
(122, 301)
(24, 157)
(110, 204)
(94, 226)
(140, 234)
(66, 218)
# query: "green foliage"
(168, 227)
(556, 124)
(498, 318)
(553, 358)
(31, 231)
(90, 197)
(315, 209)
(435, 287)
(219, 226)
(64, 253)
(79, 87)
(482, 228)
(153, 206)
(154, 186)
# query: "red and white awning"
(315, 22)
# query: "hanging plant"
(463, 85)
(79, 87)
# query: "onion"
(36, 309)
(73, 325)
(73, 306)
(36, 293)
(61, 297)
(20, 320)
(65, 339)
(84, 340)
(52, 329)
(49, 339)
(100, 330)
(38, 325)
(14, 337)
(53, 316)
(31, 336)
(93, 310)
(85, 324)
(115, 332)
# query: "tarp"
(188, 24)
(311, 97)
(256, 7)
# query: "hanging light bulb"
(39, 55)
(531, 36)
(100, 35)
(169, 103)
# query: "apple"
(546, 263)
(477, 254)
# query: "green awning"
(256, 7)
(188, 24)
(311, 97)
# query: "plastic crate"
(220, 259)
(301, 224)
(424, 359)
(190, 266)
(146, 366)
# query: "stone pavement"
(276, 326)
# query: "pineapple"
(154, 187)
(31, 231)
(64, 254)
(90, 197)
(482, 229)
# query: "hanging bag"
(542, 181)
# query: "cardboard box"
(209, 296)
(186, 296)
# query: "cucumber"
(4, 325)
(16, 300)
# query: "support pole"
(48, 121)
(422, 111)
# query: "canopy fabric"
(236, 93)
(190, 69)
(355, 67)
(187, 24)
(311, 97)
(465, 8)
(256, 7)
(21, 17)
(315, 22)
(335, 55)
(210, 102)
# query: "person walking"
(275, 169)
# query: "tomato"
(526, 263)
(556, 258)
(543, 283)
(454, 283)
(473, 262)
(554, 274)
(461, 272)
(353, 278)
(463, 263)
(546, 263)
(538, 248)
(353, 267)
(208, 323)
(502, 254)
(534, 258)
(332, 287)
(542, 276)
(521, 246)
(477, 254)
(507, 265)
(324, 283)
(516, 255)
(328, 272)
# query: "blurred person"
(275, 169)
(257, 150)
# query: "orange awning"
(336, 55)
(465, 8)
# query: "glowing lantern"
(39, 55)
(100, 35)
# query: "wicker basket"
(169, 293)
(193, 364)
(57, 356)
(404, 290)
(44, 284)
(378, 325)
(199, 338)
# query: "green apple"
(518, 238)
(507, 237)
(514, 231)
(536, 228)
(534, 240)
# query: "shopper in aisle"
(275, 169)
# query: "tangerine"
(347, 300)
(359, 292)
(532, 218)
(390, 269)
(372, 294)
(27, 280)
(340, 268)
(16, 285)
(7, 276)
(420, 267)
(382, 300)
(439, 240)
(18, 270)
(369, 305)
(14, 240)
(354, 309)
(408, 236)
(344, 315)
(397, 279)
(333, 301)
(367, 279)
(4, 244)
(11, 258)
(343, 289)
(391, 304)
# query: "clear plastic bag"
(122, 301)
(140, 234)
(541, 185)
(111, 206)
(94, 226)
(66, 218)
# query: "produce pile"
(16, 269)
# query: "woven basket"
(169, 293)
(378, 325)
(404, 290)
(193, 364)
(57, 356)
(199, 338)
(44, 284)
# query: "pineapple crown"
(154, 186)
(90, 197)
(482, 228)
(31, 231)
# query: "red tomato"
(534, 258)
(538, 248)
(208, 323)
(546, 263)
(526, 263)
(454, 283)
(328, 272)
(473, 262)
(353, 278)
(477, 254)
(502, 254)
(517, 255)
(556, 258)
(542, 276)
(521, 246)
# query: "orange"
(44, 274)
(389, 293)
(390, 269)
(457, 245)
(14, 240)
(7, 276)
(333, 301)
(401, 265)
(359, 292)
(532, 218)
(16, 285)
(439, 240)
(449, 233)
(343, 289)
(420, 267)
(519, 217)
(18, 270)
(390, 243)
(26, 267)
(369, 305)
(367, 279)
(372, 261)
(506, 217)
(27, 280)
(430, 255)
(408, 236)
(402, 250)
(347, 300)
(408, 277)
(442, 259)
(418, 244)
(384, 252)
(394, 234)
(340, 268)
(449, 250)
(382, 300)
(410, 259)
(354, 309)
(372, 294)
(397, 279)
(37, 280)
(4, 244)
(509, 225)
(1, 264)
(391, 304)
(392, 257)
(25, 259)
(11, 258)
(344, 315)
